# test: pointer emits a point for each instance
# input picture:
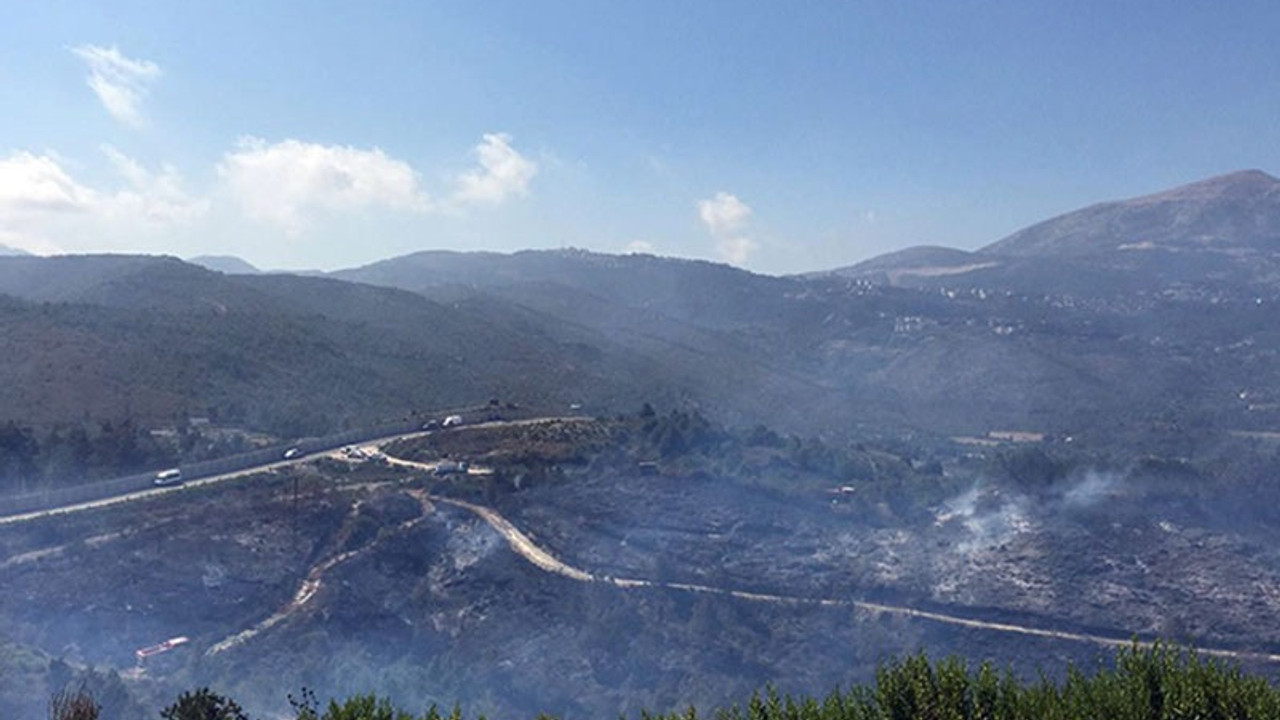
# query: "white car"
(172, 476)
(292, 453)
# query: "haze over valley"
(516, 359)
(968, 452)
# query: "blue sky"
(778, 136)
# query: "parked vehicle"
(451, 467)
(452, 421)
(292, 453)
(172, 476)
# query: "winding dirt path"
(520, 542)
(543, 559)
(307, 590)
(540, 557)
(313, 582)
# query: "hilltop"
(228, 264)
(1236, 212)
(157, 340)
(1222, 232)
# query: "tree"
(77, 705)
(18, 450)
(358, 707)
(203, 704)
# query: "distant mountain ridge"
(1225, 229)
(156, 339)
(921, 260)
(1239, 210)
(229, 264)
(690, 290)
(1035, 336)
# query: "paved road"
(142, 486)
(136, 495)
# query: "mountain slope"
(1223, 231)
(1130, 344)
(693, 291)
(925, 261)
(716, 328)
(156, 339)
(228, 264)
(1234, 213)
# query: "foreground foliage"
(1160, 682)
(1152, 683)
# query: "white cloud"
(260, 190)
(32, 186)
(286, 182)
(119, 82)
(45, 210)
(282, 183)
(724, 213)
(503, 171)
(726, 218)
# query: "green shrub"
(1146, 682)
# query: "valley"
(669, 482)
(558, 540)
(649, 361)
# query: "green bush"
(203, 704)
(1156, 682)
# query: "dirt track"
(540, 557)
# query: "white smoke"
(1092, 488)
(985, 517)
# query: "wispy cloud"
(726, 218)
(282, 183)
(152, 196)
(503, 172)
(120, 83)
